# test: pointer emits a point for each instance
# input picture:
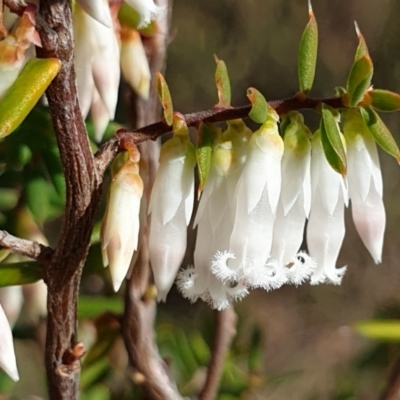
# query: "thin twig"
(224, 333)
(109, 149)
(26, 248)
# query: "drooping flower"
(214, 221)
(257, 194)
(365, 183)
(120, 226)
(146, 9)
(97, 66)
(326, 229)
(294, 202)
(170, 206)
(7, 354)
(14, 46)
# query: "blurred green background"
(293, 343)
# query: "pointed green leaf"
(25, 92)
(203, 152)
(165, 98)
(332, 143)
(259, 109)
(380, 132)
(223, 84)
(388, 330)
(20, 273)
(384, 100)
(359, 79)
(362, 49)
(308, 53)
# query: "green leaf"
(165, 98)
(332, 141)
(130, 18)
(359, 80)
(384, 100)
(25, 92)
(90, 307)
(223, 84)
(308, 53)
(37, 197)
(259, 109)
(20, 273)
(380, 132)
(203, 152)
(388, 330)
(362, 49)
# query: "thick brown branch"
(83, 194)
(109, 149)
(26, 248)
(225, 331)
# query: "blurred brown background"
(306, 334)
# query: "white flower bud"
(134, 64)
(120, 226)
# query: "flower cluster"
(258, 196)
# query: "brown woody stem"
(225, 331)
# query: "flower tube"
(365, 184)
(325, 230)
(171, 206)
(294, 202)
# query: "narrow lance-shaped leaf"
(203, 152)
(308, 53)
(332, 141)
(259, 109)
(223, 84)
(380, 132)
(20, 273)
(22, 96)
(384, 100)
(165, 98)
(388, 330)
(359, 79)
(362, 49)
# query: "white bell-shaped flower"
(325, 229)
(257, 194)
(365, 184)
(7, 354)
(120, 226)
(171, 206)
(146, 9)
(97, 67)
(295, 200)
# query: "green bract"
(165, 98)
(259, 109)
(380, 132)
(332, 141)
(204, 151)
(308, 53)
(359, 80)
(223, 84)
(384, 100)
